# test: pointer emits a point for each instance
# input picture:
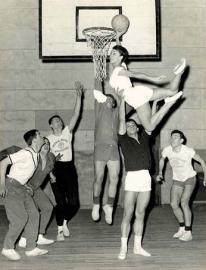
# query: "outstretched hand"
(79, 88)
(118, 35)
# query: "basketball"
(120, 23)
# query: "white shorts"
(138, 95)
(138, 181)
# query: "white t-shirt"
(62, 144)
(119, 82)
(24, 163)
(99, 96)
(180, 162)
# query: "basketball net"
(99, 39)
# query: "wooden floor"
(96, 245)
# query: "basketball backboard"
(61, 23)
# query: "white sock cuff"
(138, 239)
(60, 228)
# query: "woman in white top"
(139, 96)
(66, 186)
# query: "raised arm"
(98, 92)
(3, 167)
(202, 163)
(118, 35)
(160, 176)
(122, 120)
(79, 92)
(142, 76)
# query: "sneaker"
(108, 213)
(173, 98)
(180, 67)
(22, 242)
(95, 212)
(123, 254)
(66, 231)
(44, 241)
(60, 236)
(179, 233)
(141, 251)
(36, 252)
(187, 236)
(11, 254)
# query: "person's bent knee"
(174, 205)
(184, 204)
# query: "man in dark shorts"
(180, 158)
(106, 151)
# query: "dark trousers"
(65, 191)
(21, 212)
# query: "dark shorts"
(190, 181)
(106, 152)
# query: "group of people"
(22, 174)
(29, 209)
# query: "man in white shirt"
(65, 187)
(19, 205)
(180, 158)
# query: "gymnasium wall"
(31, 91)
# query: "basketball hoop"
(99, 39)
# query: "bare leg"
(129, 204)
(113, 168)
(141, 205)
(99, 174)
(161, 93)
(149, 121)
(176, 193)
(99, 167)
(186, 195)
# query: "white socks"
(60, 228)
(123, 250)
(138, 247)
(124, 242)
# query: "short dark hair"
(29, 136)
(113, 98)
(56, 116)
(131, 120)
(182, 135)
(123, 52)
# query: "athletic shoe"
(60, 236)
(187, 236)
(123, 253)
(179, 233)
(173, 98)
(22, 242)
(108, 213)
(95, 212)
(66, 231)
(11, 254)
(44, 241)
(141, 251)
(180, 67)
(36, 252)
